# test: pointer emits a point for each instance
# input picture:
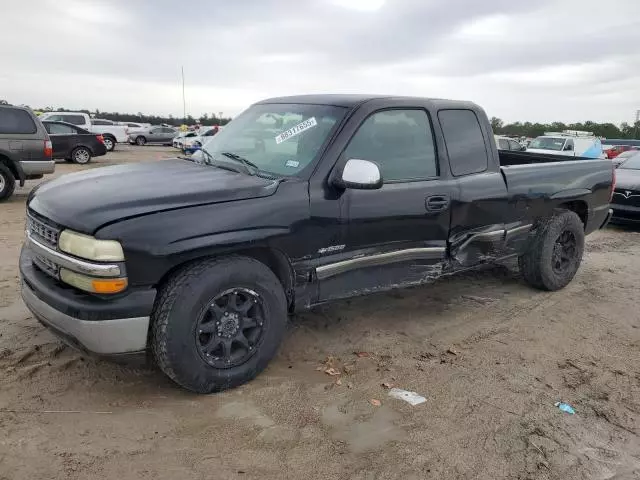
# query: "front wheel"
(555, 253)
(81, 155)
(141, 140)
(218, 323)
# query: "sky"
(527, 60)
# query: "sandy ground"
(490, 355)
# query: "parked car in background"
(25, 148)
(626, 196)
(111, 132)
(614, 150)
(197, 141)
(153, 134)
(624, 156)
(134, 125)
(201, 262)
(73, 143)
(568, 143)
(506, 143)
(178, 141)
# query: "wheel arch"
(579, 207)
(13, 168)
(274, 259)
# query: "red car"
(616, 150)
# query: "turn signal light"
(100, 138)
(109, 286)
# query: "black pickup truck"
(299, 201)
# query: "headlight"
(85, 246)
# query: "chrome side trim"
(122, 335)
(71, 263)
(518, 230)
(427, 253)
(492, 236)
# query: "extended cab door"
(395, 235)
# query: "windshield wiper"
(250, 166)
(210, 160)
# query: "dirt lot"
(490, 354)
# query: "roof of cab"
(354, 100)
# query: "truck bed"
(508, 158)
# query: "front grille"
(623, 196)
(43, 231)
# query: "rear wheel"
(555, 254)
(7, 182)
(141, 140)
(81, 155)
(110, 143)
(218, 323)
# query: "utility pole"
(184, 102)
(635, 135)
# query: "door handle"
(437, 203)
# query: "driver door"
(396, 235)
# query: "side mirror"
(360, 175)
(568, 148)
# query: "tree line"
(528, 129)
(140, 117)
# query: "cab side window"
(568, 146)
(465, 142)
(400, 142)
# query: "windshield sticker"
(298, 129)
(292, 163)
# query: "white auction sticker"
(299, 128)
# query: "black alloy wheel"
(231, 328)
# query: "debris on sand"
(480, 300)
(410, 397)
(332, 371)
(362, 354)
(387, 385)
(375, 402)
(565, 407)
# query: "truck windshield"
(281, 139)
(547, 143)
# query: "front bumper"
(91, 323)
(37, 168)
(625, 214)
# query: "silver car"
(152, 134)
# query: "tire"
(555, 253)
(81, 155)
(7, 182)
(186, 299)
(141, 140)
(109, 142)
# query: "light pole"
(184, 102)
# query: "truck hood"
(86, 201)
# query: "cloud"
(538, 60)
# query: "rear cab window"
(465, 142)
(16, 121)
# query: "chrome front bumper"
(102, 337)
